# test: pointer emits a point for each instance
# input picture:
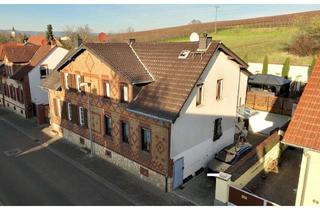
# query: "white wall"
(192, 133)
(296, 73)
(308, 193)
(38, 95)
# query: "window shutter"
(70, 80)
(82, 80)
(85, 112)
(22, 96)
(64, 112)
(75, 114)
(63, 85)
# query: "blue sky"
(113, 18)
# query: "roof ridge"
(135, 53)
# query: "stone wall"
(134, 168)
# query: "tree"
(195, 21)
(49, 34)
(265, 65)
(130, 29)
(286, 68)
(307, 41)
(313, 63)
(84, 32)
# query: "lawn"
(256, 43)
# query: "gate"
(240, 197)
(178, 173)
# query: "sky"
(117, 17)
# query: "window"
(199, 95)
(108, 125)
(78, 82)
(145, 139)
(81, 116)
(219, 89)
(66, 80)
(184, 54)
(69, 111)
(124, 93)
(125, 132)
(107, 89)
(44, 71)
(217, 129)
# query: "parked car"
(228, 156)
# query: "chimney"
(204, 42)
(77, 42)
(131, 41)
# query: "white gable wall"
(38, 95)
(192, 133)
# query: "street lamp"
(89, 117)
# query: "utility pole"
(215, 23)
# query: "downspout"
(169, 158)
(238, 90)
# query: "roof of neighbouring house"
(304, 128)
(2, 45)
(39, 39)
(169, 79)
(40, 54)
(268, 79)
(20, 54)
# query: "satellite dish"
(194, 37)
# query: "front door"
(178, 173)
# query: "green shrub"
(286, 68)
(265, 65)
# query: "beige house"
(304, 132)
(159, 110)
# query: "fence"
(269, 103)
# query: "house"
(304, 132)
(159, 110)
(22, 70)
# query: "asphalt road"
(37, 176)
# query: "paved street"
(33, 173)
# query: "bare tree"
(84, 32)
(195, 21)
(130, 29)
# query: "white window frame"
(78, 81)
(66, 80)
(44, 67)
(199, 87)
(220, 93)
(125, 90)
(69, 111)
(107, 88)
(81, 116)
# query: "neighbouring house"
(304, 132)
(159, 110)
(22, 70)
(41, 40)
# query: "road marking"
(77, 165)
(12, 152)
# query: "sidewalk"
(137, 190)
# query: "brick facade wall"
(129, 156)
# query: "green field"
(256, 43)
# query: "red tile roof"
(39, 39)
(304, 128)
(41, 53)
(2, 45)
(20, 54)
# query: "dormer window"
(124, 92)
(44, 71)
(184, 54)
